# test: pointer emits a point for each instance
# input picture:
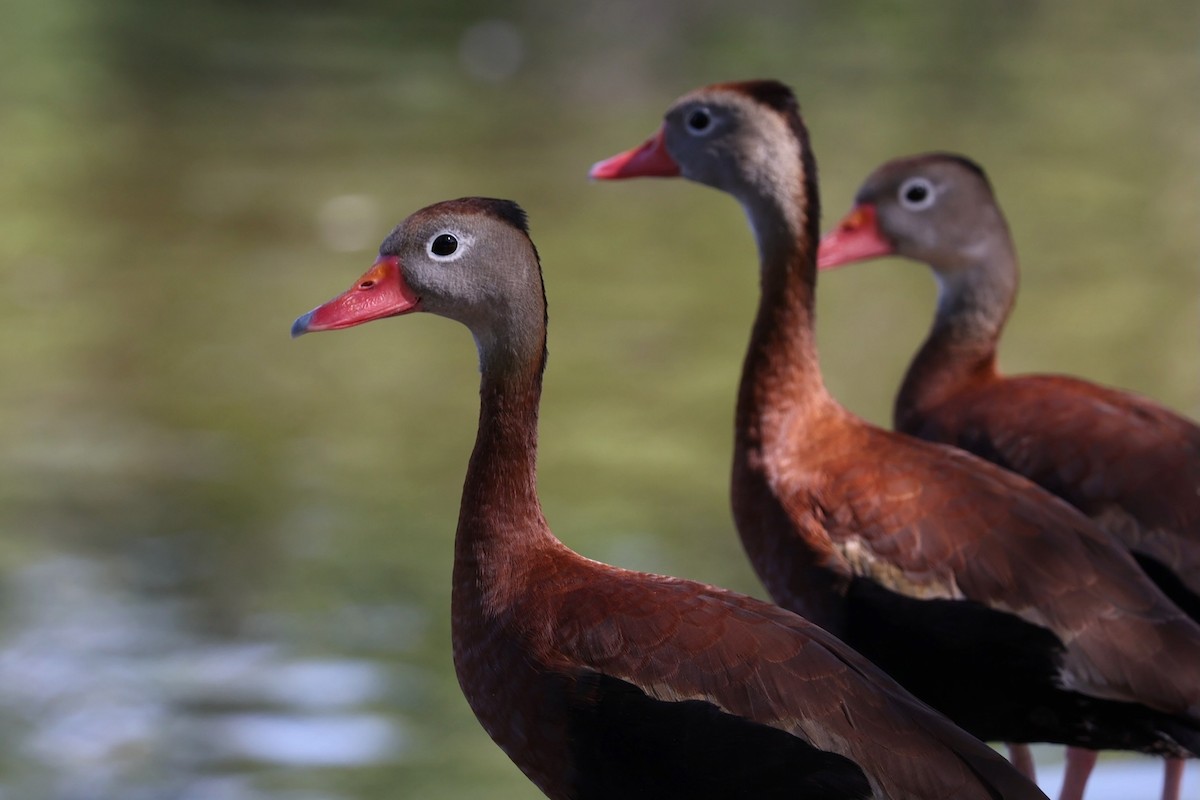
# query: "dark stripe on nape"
(779, 97)
(503, 210)
(969, 164)
(508, 211)
(770, 93)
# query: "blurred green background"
(225, 565)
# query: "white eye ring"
(447, 245)
(699, 121)
(917, 194)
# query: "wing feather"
(1125, 461)
(928, 520)
(761, 663)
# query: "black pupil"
(699, 120)
(444, 245)
(915, 194)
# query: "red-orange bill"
(381, 292)
(856, 238)
(648, 160)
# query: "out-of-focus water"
(1119, 779)
(225, 565)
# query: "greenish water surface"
(224, 569)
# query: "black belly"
(1170, 585)
(995, 674)
(626, 744)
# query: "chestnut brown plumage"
(1128, 463)
(986, 596)
(604, 683)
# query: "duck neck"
(781, 385)
(974, 302)
(500, 523)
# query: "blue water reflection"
(106, 694)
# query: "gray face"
(937, 208)
(471, 260)
(468, 265)
(701, 134)
(726, 139)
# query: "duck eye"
(917, 194)
(699, 120)
(444, 244)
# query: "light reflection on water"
(329, 740)
(104, 694)
(1119, 778)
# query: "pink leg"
(1173, 778)
(1022, 758)
(1075, 776)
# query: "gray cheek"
(929, 237)
(915, 236)
(449, 294)
(710, 171)
(435, 282)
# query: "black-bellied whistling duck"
(605, 683)
(989, 598)
(1125, 461)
